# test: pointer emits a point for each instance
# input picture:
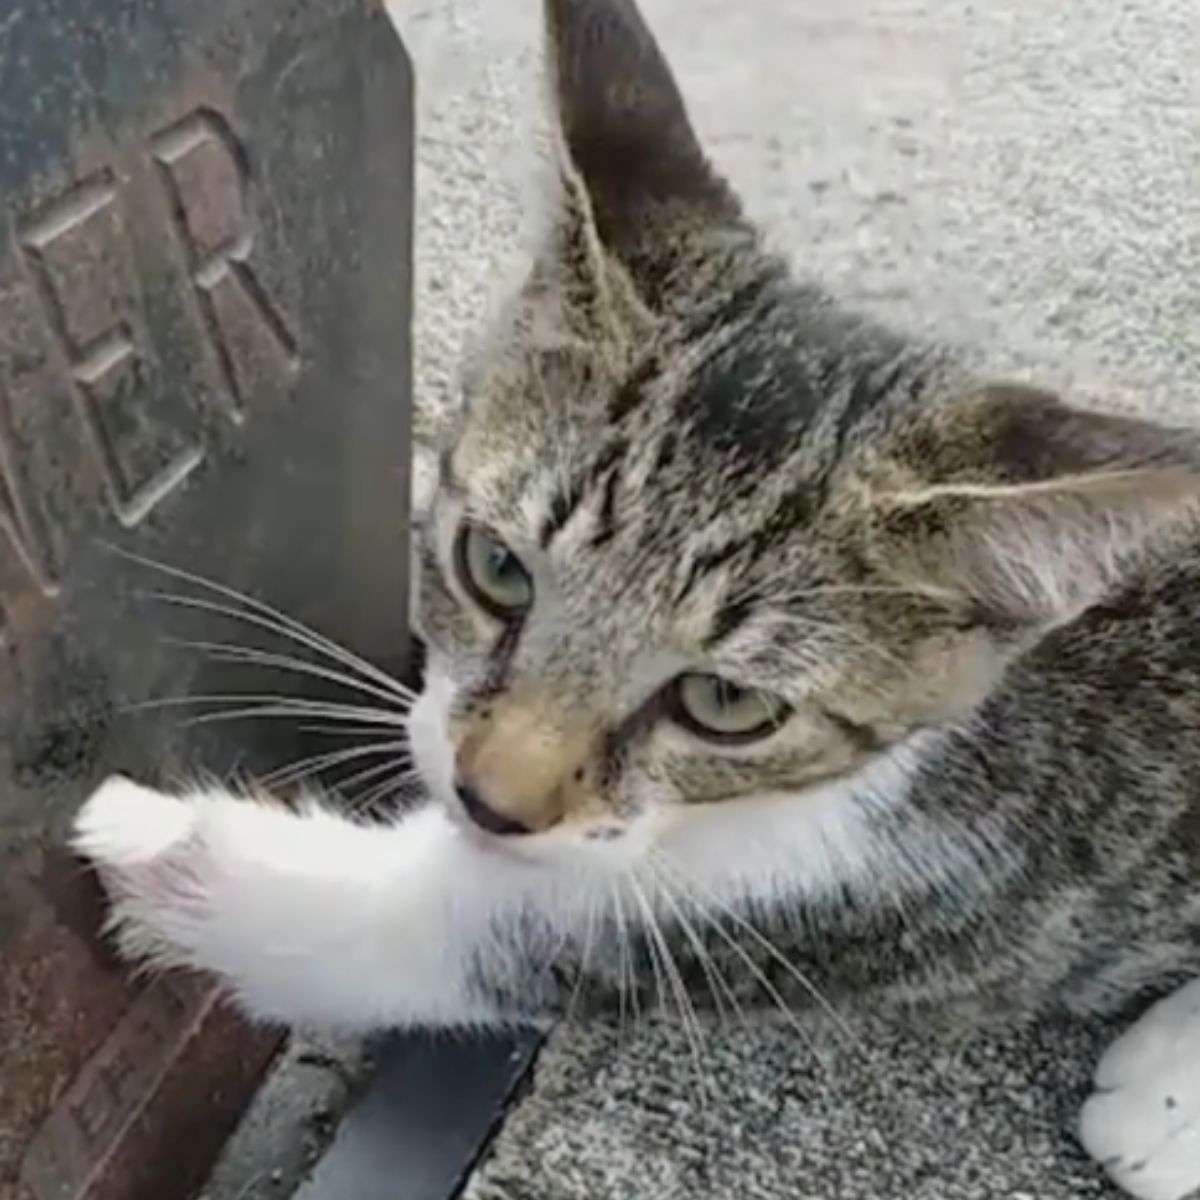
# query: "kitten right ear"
(1030, 510)
(627, 136)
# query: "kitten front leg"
(1142, 1124)
(307, 917)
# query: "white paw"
(1142, 1123)
(145, 846)
(126, 825)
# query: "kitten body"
(965, 609)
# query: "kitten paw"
(144, 846)
(1142, 1123)
(125, 825)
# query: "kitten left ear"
(1037, 509)
(628, 137)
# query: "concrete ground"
(1018, 176)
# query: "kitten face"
(703, 538)
(676, 519)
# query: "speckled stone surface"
(1018, 176)
(901, 1119)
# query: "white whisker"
(362, 731)
(395, 785)
(316, 763)
(779, 957)
(585, 957)
(271, 705)
(624, 973)
(717, 982)
(283, 624)
(254, 656)
(688, 1019)
(763, 981)
(299, 633)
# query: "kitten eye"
(493, 575)
(714, 708)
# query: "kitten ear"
(627, 135)
(1043, 507)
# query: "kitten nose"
(485, 817)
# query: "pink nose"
(484, 816)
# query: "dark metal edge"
(425, 1117)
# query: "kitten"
(757, 636)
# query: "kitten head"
(701, 537)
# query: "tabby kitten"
(759, 637)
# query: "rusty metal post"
(205, 261)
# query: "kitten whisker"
(717, 982)
(393, 786)
(256, 712)
(625, 978)
(778, 956)
(297, 633)
(404, 772)
(270, 704)
(271, 618)
(688, 1018)
(255, 656)
(772, 992)
(851, 589)
(364, 731)
(584, 958)
(651, 946)
(304, 768)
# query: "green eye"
(714, 708)
(493, 575)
